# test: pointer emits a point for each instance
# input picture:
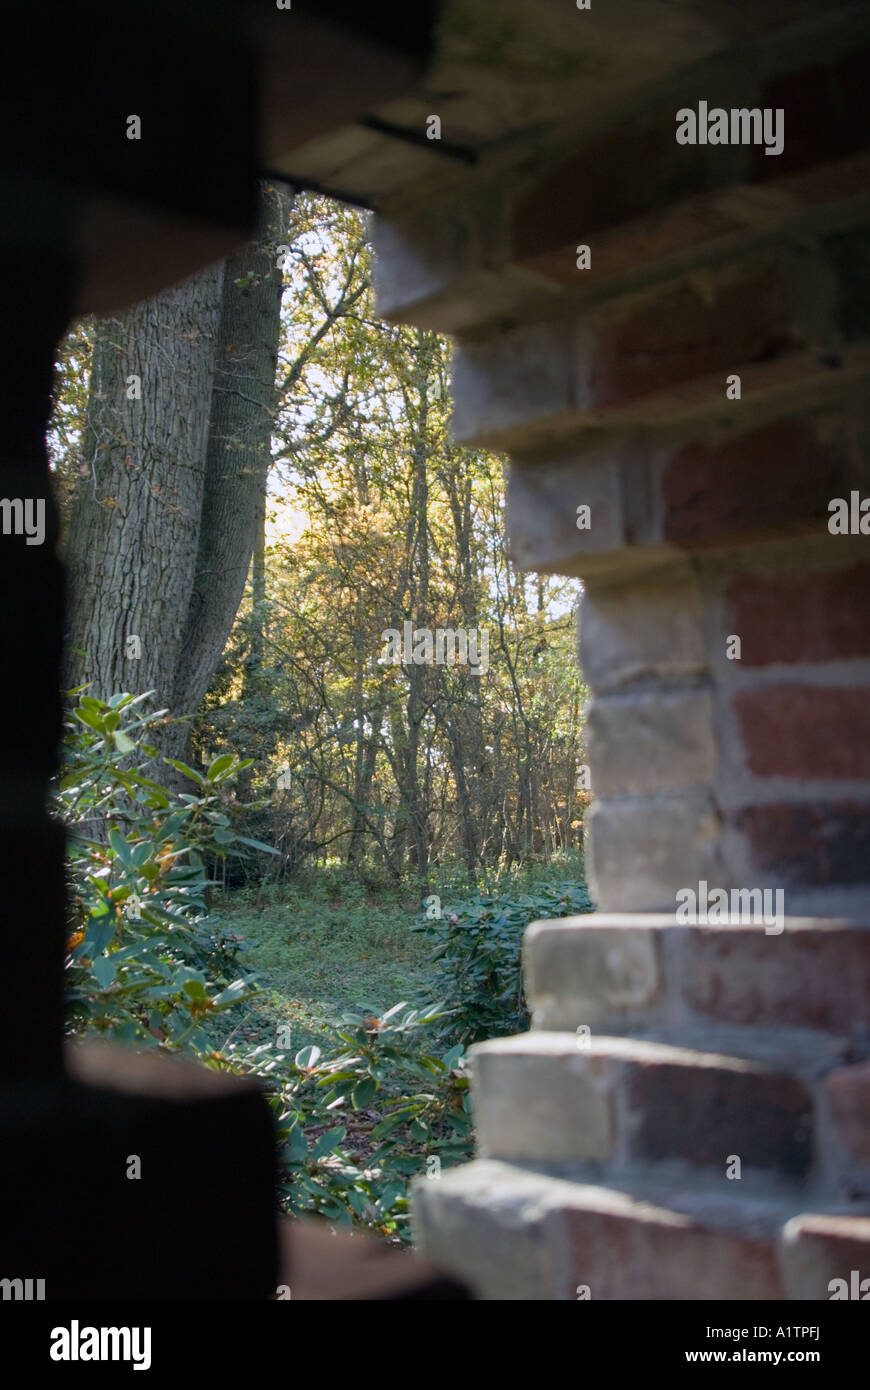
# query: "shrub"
(146, 962)
(477, 943)
(356, 1127)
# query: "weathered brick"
(444, 268)
(847, 1091)
(539, 1098)
(805, 731)
(808, 844)
(685, 331)
(826, 114)
(641, 850)
(632, 246)
(817, 1249)
(812, 977)
(769, 482)
(422, 257)
(801, 617)
(633, 631)
(624, 1249)
(516, 1234)
(639, 745)
(511, 384)
(686, 196)
(577, 972)
(482, 1222)
(541, 503)
(719, 217)
(581, 197)
(547, 1097)
(705, 1109)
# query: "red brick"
(816, 977)
(770, 482)
(619, 251)
(581, 196)
(826, 123)
(676, 335)
(801, 617)
(818, 1248)
(805, 731)
(847, 1091)
(691, 222)
(809, 844)
(827, 115)
(703, 1113)
(646, 1253)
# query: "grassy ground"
(326, 945)
(328, 941)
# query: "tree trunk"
(163, 526)
(135, 520)
(238, 455)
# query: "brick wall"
(696, 378)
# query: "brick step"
(516, 422)
(622, 974)
(516, 1234)
(785, 1104)
(556, 1098)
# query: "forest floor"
(328, 941)
(323, 948)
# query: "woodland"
(291, 854)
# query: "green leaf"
(90, 718)
(219, 765)
(187, 771)
(121, 848)
(389, 1196)
(296, 1145)
(100, 931)
(329, 1141)
(257, 844)
(363, 1092)
(397, 1008)
(358, 1200)
(231, 995)
(307, 1057)
(104, 970)
(405, 1165)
